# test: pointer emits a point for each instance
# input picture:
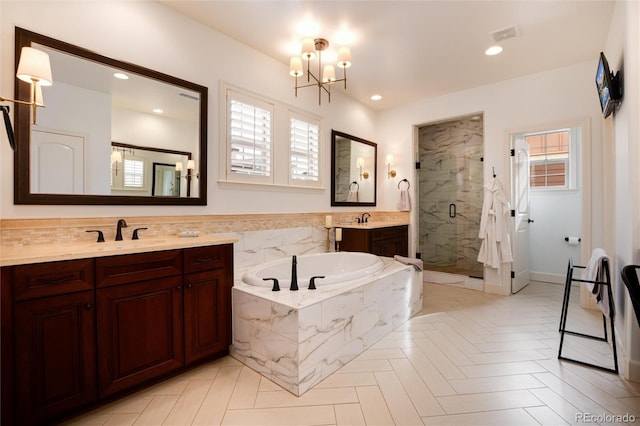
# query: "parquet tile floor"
(468, 358)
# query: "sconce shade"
(295, 67)
(34, 67)
(389, 159)
(179, 166)
(116, 157)
(191, 165)
(360, 162)
(344, 57)
(309, 49)
(329, 74)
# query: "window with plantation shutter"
(304, 150)
(249, 136)
(269, 143)
(133, 173)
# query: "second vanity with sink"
(380, 238)
(84, 322)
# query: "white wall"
(622, 139)
(153, 36)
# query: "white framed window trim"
(287, 166)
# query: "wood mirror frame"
(339, 180)
(22, 123)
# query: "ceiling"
(410, 50)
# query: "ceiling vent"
(505, 34)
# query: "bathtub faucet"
(294, 274)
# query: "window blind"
(133, 173)
(304, 152)
(250, 139)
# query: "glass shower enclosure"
(450, 195)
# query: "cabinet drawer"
(388, 233)
(117, 270)
(207, 258)
(52, 278)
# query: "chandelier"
(325, 77)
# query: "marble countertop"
(82, 250)
(368, 225)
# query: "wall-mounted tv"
(609, 87)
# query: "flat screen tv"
(608, 85)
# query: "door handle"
(452, 210)
(529, 220)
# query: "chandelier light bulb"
(344, 57)
(295, 67)
(329, 74)
(308, 49)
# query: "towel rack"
(407, 182)
(357, 185)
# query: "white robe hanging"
(494, 227)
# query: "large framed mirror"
(66, 158)
(353, 170)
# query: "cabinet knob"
(179, 288)
(189, 285)
(88, 306)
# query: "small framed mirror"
(353, 170)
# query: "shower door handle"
(452, 210)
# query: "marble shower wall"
(451, 173)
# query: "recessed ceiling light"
(493, 50)
(376, 97)
(158, 111)
(121, 76)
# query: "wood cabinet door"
(207, 301)
(140, 332)
(55, 356)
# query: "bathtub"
(335, 267)
(298, 338)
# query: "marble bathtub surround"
(22, 232)
(297, 339)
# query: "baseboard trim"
(546, 277)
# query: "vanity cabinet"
(79, 331)
(207, 283)
(382, 241)
(52, 362)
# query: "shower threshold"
(463, 281)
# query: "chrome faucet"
(294, 274)
(121, 224)
(365, 218)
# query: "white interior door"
(520, 222)
(57, 163)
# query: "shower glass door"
(450, 196)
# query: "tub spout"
(294, 274)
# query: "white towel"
(595, 272)
(352, 196)
(404, 205)
(416, 263)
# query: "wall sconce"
(33, 68)
(117, 155)
(389, 162)
(360, 165)
(191, 167)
